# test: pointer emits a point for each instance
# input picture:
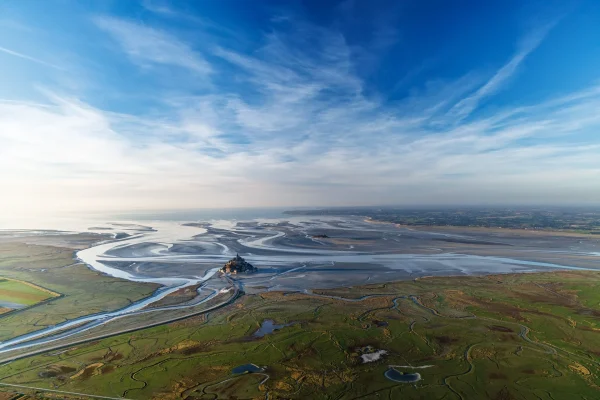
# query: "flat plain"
(516, 336)
(80, 291)
(501, 336)
(16, 294)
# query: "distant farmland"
(20, 294)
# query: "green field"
(527, 336)
(83, 291)
(22, 292)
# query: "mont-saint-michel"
(238, 265)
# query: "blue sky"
(150, 104)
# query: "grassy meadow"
(53, 270)
(523, 336)
(23, 293)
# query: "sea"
(82, 221)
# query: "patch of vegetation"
(52, 269)
(24, 293)
(523, 336)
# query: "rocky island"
(237, 265)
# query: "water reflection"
(246, 368)
(397, 376)
(269, 326)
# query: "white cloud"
(467, 105)
(308, 135)
(158, 7)
(29, 58)
(147, 46)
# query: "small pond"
(269, 326)
(380, 324)
(246, 368)
(397, 376)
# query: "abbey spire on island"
(238, 265)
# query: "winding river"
(289, 263)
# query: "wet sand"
(304, 253)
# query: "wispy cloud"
(158, 7)
(466, 106)
(294, 125)
(359, 154)
(29, 58)
(166, 10)
(149, 46)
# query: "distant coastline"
(532, 219)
